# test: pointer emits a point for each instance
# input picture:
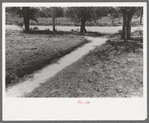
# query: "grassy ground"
(28, 52)
(114, 69)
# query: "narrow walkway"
(41, 76)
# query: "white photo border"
(68, 108)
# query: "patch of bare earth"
(114, 69)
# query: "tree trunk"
(124, 26)
(126, 31)
(141, 16)
(82, 30)
(26, 23)
(53, 19)
(129, 26)
(26, 19)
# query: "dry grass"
(28, 52)
(104, 72)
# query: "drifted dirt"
(104, 72)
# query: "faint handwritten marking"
(80, 102)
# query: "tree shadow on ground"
(118, 48)
(96, 34)
(92, 34)
(136, 36)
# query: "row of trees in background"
(83, 14)
(28, 13)
(42, 11)
(80, 15)
(48, 12)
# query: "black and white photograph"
(74, 51)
